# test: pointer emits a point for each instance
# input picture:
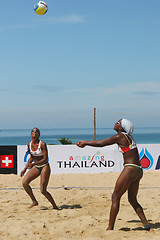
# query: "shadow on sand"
(70, 206)
(61, 207)
(153, 225)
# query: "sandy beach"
(85, 200)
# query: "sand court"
(85, 200)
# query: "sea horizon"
(51, 135)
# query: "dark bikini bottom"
(139, 168)
(39, 168)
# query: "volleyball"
(40, 8)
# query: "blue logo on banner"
(146, 159)
(25, 157)
(158, 163)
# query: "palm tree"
(65, 141)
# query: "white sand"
(85, 212)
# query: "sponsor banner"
(8, 159)
(22, 157)
(149, 155)
(72, 159)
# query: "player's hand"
(30, 165)
(22, 172)
(81, 144)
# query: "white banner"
(72, 159)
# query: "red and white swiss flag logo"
(6, 161)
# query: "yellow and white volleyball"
(40, 8)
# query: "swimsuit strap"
(39, 145)
(132, 165)
(39, 166)
(127, 138)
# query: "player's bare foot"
(148, 228)
(108, 228)
(56, 208)
(33, 204)
(151, 230)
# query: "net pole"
(94, 123)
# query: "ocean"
(10, 137)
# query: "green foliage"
(65, 141)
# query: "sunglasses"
(35, 130)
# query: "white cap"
(127, 126)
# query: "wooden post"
(94, 123)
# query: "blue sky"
(81, 54)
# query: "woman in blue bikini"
(130, 176)
(38, 165)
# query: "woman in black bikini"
(38, 166)
(130, 176)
